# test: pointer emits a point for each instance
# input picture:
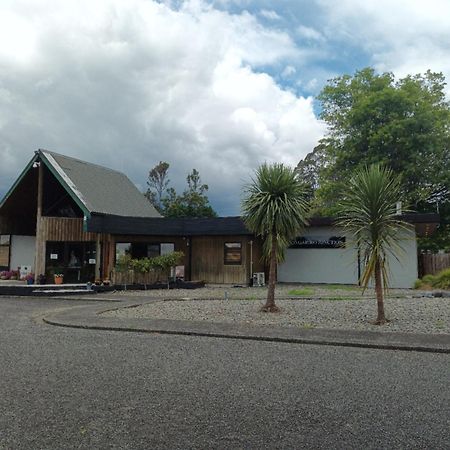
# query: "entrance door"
(76, 260)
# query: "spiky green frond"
(275, 203)
(369, 212)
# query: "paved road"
(72, 388)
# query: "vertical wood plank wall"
(208, 260)
(65, 229)
(4, 255)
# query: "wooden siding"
(208, 260)
(433, 264)
(132, 277)
(65, 229)
(4, 255)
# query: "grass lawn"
(304, 291)
(339, 287)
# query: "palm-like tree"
(274, 208)
(369, 212)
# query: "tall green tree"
(404, 124)
(274, 208)
(192, 203)
(369, 211)
(158, 182)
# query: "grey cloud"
(127, 84)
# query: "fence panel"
(132, 277)
(433, 263)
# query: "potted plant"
(58, 276)
(30, 278)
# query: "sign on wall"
(318, 242)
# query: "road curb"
(88, 318)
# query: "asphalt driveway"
(75, 388)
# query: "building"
(70, 216)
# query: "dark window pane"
(152, 250)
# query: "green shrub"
(438, 281)
(428, 279)
(161, 263)
(442, 279)
(123, 263)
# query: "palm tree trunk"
(381, 319)
(270, 303)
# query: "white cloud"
(404, 36)
(309, 33)
(127, 84)
(269, 14)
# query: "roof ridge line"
(42, 150)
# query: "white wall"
(320, 265)
(404, 272)
(22, 251)
(340, 266)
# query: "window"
(122, 249)
(153, 250)
(233, 253)
(140, 250)
(167, 247)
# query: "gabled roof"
(96, 189)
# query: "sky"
(218, 85)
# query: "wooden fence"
(431, 264)
(132, 277)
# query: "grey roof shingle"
(101, 190)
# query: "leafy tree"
(274, 208)
(368, 211)
(310, 171)
(403, 124)
(192, 203)
(157, 183)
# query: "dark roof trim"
(160, 226)
(213, 226)
(431, 218)
(413, 218)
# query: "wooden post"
(98, 257)
(111, 256)
(39, 265)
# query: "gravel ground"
(325, 307)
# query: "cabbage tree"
(369, 212)
(274, 208)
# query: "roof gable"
(98, 189)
